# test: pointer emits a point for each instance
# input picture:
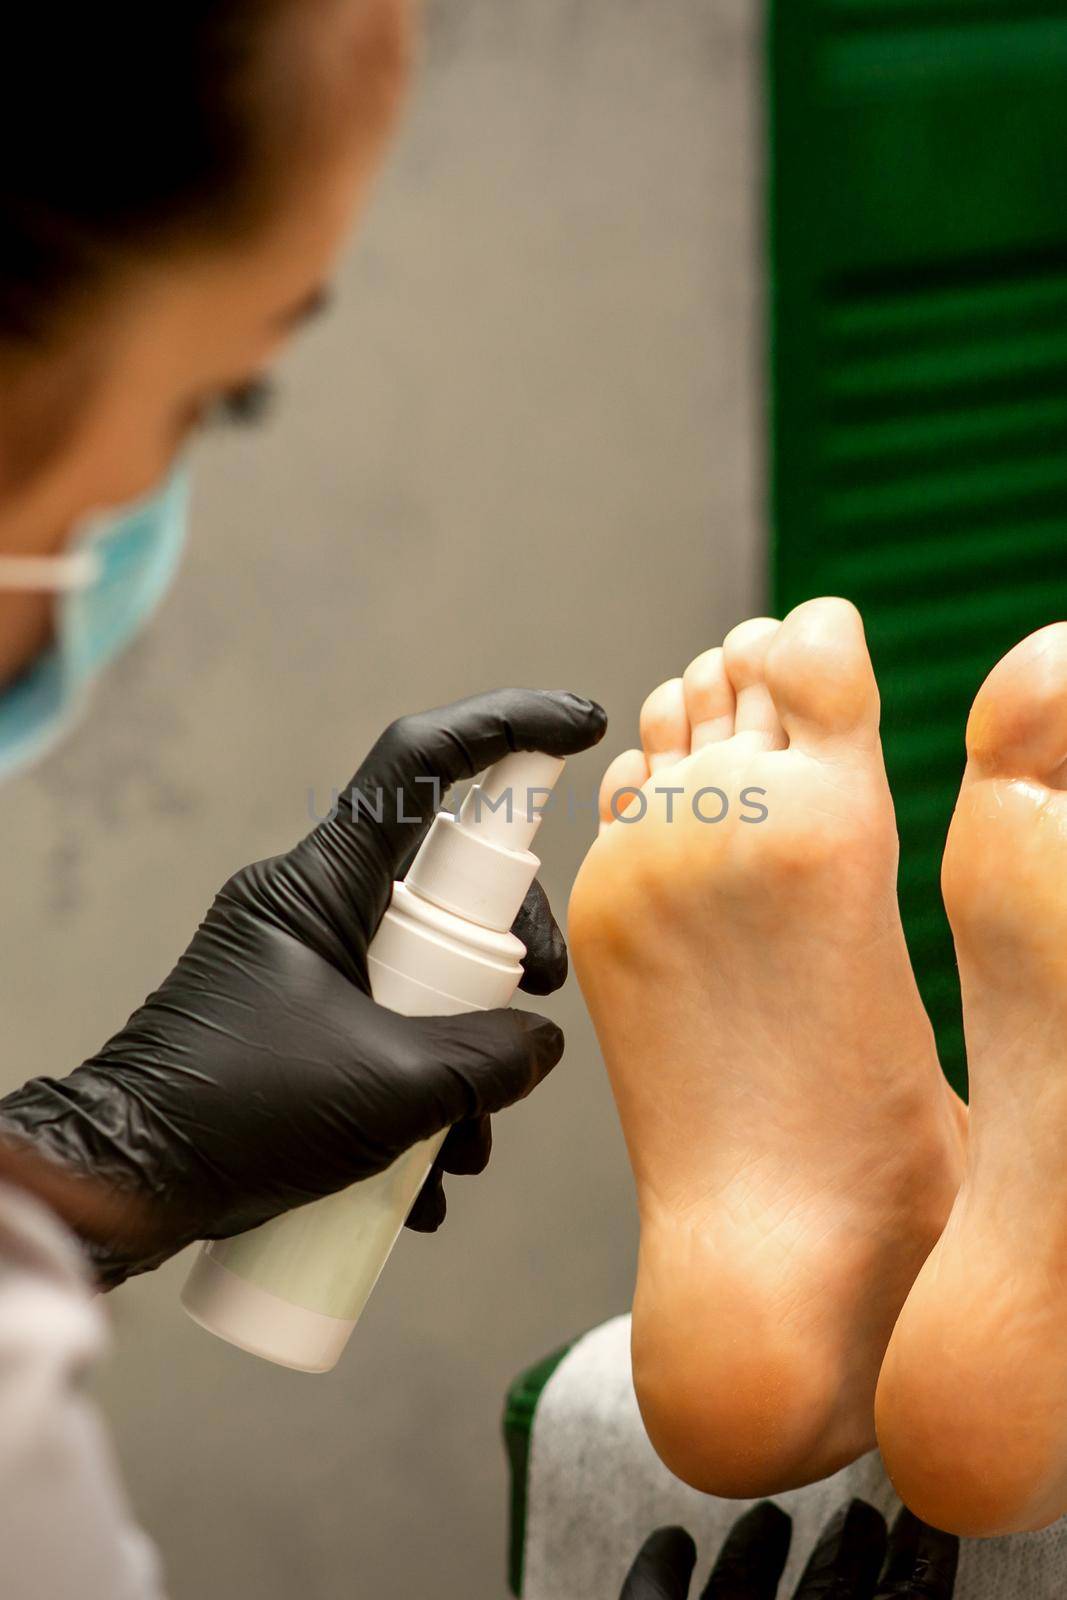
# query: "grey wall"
(521, 449)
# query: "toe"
(709, 699)
(665, 725)
(1018, 724)
(745, 658)
(820, 674)
(623, 778)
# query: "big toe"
(1018, 723)
(820, 674)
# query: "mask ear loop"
(50, 574)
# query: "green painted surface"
(919, 369)
(519, 1409)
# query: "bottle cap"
(478, 864)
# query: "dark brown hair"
(124, 128)
(130, 133)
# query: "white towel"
(597, 1488)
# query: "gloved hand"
(846, 1564)
(261, 1075)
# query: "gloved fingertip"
(431, 1206)
(864, 1521)
(468, 1147)
(544, 971)
(544, 966)
(676, 1544)
(663, 1566)
(772, 1515)
(598, 717)
(848, 1553)
(770, 1524)
(589, 713)
(753, 1556)
(485, 1061)
(922, 1560)
(545, 1040)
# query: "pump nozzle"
(507, 805)
(478, 864)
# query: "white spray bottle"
(293, 1289)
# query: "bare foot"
(795, 1147)
(972, 1404)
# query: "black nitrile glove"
(262, 1075)
(846, 1564)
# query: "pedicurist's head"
(176, 184)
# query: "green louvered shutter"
(919, 369)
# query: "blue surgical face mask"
(107, 584)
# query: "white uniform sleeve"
(65, 1529)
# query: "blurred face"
(170, 345)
